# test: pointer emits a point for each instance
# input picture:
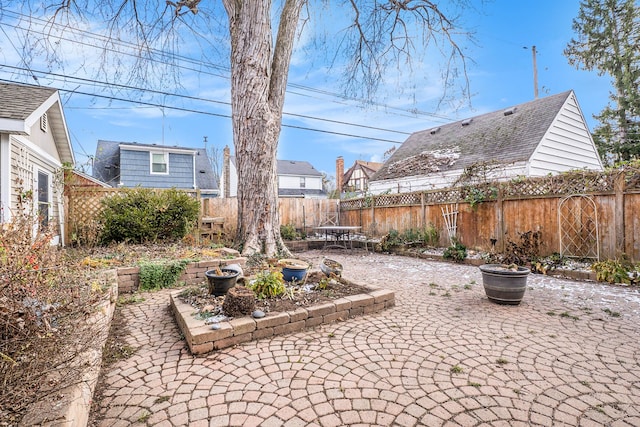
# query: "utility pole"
(535, 73)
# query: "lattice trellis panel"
(578, 227)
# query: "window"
(159, 163)
(43, 199)
(302, 182)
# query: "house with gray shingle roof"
(34, 145)
(130, 164)
(295, 178)
(544, 136)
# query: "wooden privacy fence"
(83, 206)
(303, 214)
(488, 215)
(492, 213)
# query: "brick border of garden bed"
(194, 273)
(201, 338)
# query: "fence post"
(373, 213)
(619, 188)
(500, 220)
(424, 211)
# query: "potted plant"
(504, 284)
(293, 269)
(221, 280)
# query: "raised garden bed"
(201, 338)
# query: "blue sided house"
(129, 164)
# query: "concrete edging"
(202, 339)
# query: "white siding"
(26, 161)
(293, 182)
(566, 145)
(439, 180)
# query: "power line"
(194, 98)
(412, 112)
(208, 113)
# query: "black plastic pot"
(504, 286)
(219, 285)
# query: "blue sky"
(501, 75)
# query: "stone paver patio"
(444, 355)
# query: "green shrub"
(143, 215)
(268, 284)
(616, 271)
(431, 235)
(160, 275)
(456, 252)
(289, 232)
(391, 240)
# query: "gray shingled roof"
(24, 100)
(205, 178)
(291, 167)
(296, 167)
(491, 137)
(106, 163)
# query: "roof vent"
(466, 122)
(509, 111)
(43, 122)
(434, 131)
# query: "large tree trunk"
(258, 82)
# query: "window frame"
(165, 156)
(43, 205)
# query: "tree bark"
(258, 81)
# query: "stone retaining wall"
(129, 277)
(201, 338)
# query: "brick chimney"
(226, 171)
(339, 174)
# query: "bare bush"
(45, 307)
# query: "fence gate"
(578, 227)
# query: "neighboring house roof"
(503, 137)
(205, 178)
(368, 168)
(106, 164)
(284, 168)
(296, 167)
(24, 105)
(291, 167)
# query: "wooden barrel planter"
(504, 284)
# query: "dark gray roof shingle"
(296, 167)
(19, 101)
(492, 137)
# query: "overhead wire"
(209, 113)
(411, 112)
(195, 98)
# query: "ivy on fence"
(573, 182)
